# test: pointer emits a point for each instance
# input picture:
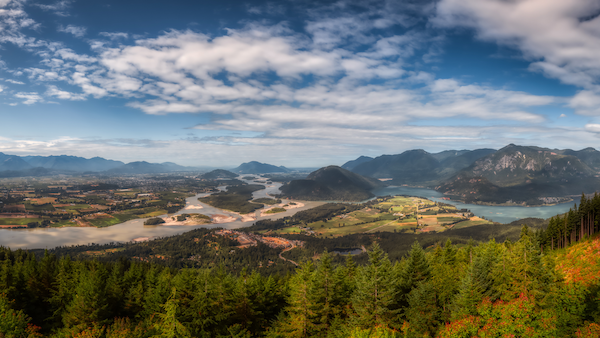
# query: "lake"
(502, 214)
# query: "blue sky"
(295, 83)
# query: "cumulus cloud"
(560, 38)
(78, 31)
(59, 8)
(29, 98)
(14, 81)
(114, 35)
(586, 102)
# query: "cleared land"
(397, 214)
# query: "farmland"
(75, 202)
(397, 214)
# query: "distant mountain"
(72, 163)
(418, 166)
(170, 166)
(11, 162)
(523, 174)
(259, 168)
(143, 167)
(352, 164)
(331, 183)
(219, 173)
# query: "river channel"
(136, 230)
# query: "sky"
(296, 83)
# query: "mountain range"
(14, 166)
(513, 174)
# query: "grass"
(275, 210)
(465, 224)
(380, 218)
(77, 207)
(18, 221)
(266, 200)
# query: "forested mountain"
(254, 167)
(219, 173)
(331, 183)
(524, 174)
(419, 166)
(352, 164)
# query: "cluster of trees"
(236, 198)
(580, 222)
(198, 248)
(490, 290)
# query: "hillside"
(259, 168)
(522, 174)
(331, 183)
(13, 163)
(352, 164)
(218, 174)
(419, 166)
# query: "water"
(502, 214)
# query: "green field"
(76, 207)
(465, 224)
(18, 221)
(380, 218)
(275, 210)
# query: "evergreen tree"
(375, 292)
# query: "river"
(41, 238)
(135, 229)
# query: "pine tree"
(375, 292)
(167, 323)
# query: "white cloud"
(592, 127)
(114, 35)
(59, 8)
(558, 36)
(30, 98)
(14, 81)
(78, 31)
(63, 95)
(586, 102)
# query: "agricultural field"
(74, 203)
(397, 214)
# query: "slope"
(331, 183)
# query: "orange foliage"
(580, 263)
(590, 331)
(516, 318)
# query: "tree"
(375, 292)
(167, 324)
